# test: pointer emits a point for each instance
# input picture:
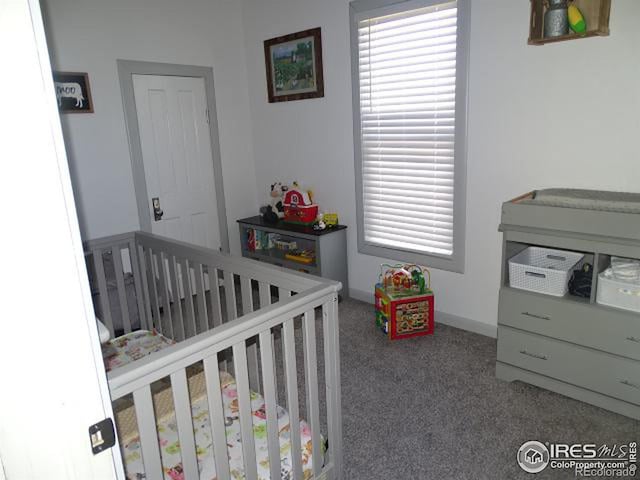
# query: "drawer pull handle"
(634, 339)
(535, 274)
(630, 384)
(541, 317)
(534, 355)
(556, 257)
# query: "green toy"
(406, 278)
(418, 280)
(576, 19)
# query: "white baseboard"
(361, 295)
(463, 323)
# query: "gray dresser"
(570, 345)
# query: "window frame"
(374, 8)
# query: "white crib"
(236, 315)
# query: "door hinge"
(102, 435)
(207, 112)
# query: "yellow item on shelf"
(576, 19)
(330, 219)
(303, 256)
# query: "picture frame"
(294, 66)
(73, 92)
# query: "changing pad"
(586, 199)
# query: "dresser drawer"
(601, 372)
(581, 323)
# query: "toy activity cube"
(404, 304)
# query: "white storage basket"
(543, 270)
(618, 293)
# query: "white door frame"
(126, 70)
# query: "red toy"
(404, 302)
(251, 240)
(298, 207)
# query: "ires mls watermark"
(583, 459)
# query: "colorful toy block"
(404, 302)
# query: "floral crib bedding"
(131, 347)
(170, 447)
(135, 345)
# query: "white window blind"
(407, 80)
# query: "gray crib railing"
(116, 286)
(255, 320)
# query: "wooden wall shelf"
(596, 14)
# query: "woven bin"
(543, 270)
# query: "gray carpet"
(431, 408)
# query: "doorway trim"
(126, 70)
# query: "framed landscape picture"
(73, 92)
(294, 66)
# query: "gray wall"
(557, 115)
(89, 36)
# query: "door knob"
(157, 211)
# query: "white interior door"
(176, 152)
(52, 378)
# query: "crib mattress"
(131, 347)
(170, 448)
(136, 345)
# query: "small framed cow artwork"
(73, 92)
